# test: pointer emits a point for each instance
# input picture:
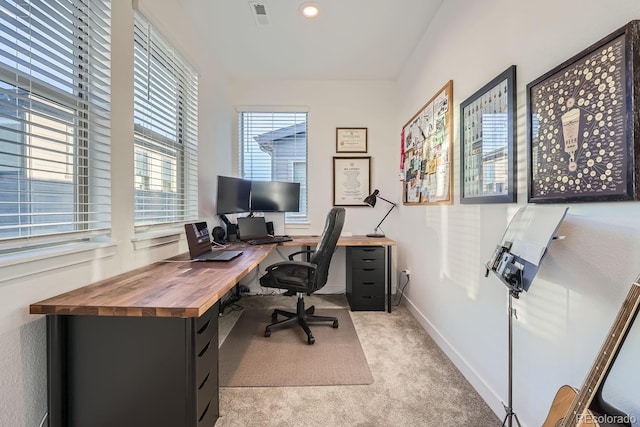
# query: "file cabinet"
(366, 278)
(133, 371)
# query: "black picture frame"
(582, 124)
(487, 142)
(351, 180)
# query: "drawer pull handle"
(368, 283)
(368, 259)
(204, 412)
(368, 249)
(204, 350)
(369, 269)
(204, 327)
(367, 297)
(204, 382)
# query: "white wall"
(564, 318)
(333, 104)
(22, 336)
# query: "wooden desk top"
(173, 289)
(162, 289)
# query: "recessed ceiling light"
(309, 10)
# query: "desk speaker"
(218, 235)
(232, 232)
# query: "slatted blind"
(165, 130)
(273, 147)
(54, 120)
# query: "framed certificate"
(351, 180)
(351, 140)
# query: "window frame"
(71, 96)
(290, 218)
(177, 143)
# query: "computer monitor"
(233, 195)
(275, 196)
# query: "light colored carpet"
(249, 359)
(415, 384)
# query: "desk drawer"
(367, 275)
(366, 302)
(205, 362)
(206, 392)
(367, 263)
(366, 252)
(206, 333)
(209, 416)
(367, 289)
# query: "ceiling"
(350, 39)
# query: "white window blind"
(165, 130)
(273, 147)
(54, 120)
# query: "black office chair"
(300, 278)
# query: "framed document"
(351, 140)
(351, 180)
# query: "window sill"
(149, 239)
(28, 263)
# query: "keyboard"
(268, 240)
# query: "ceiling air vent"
(259, 12)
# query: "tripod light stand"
(371, 201)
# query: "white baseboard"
(484, 390)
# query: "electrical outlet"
(407, 272)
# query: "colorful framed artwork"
(582, 124)
(427, 152)
(487, 142)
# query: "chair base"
(302, 317)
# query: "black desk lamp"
(371, 201)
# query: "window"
(54, 120)
(165, 130)
(273, 147)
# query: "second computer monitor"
(233, 195)
(275, 196)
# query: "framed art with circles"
(582, 124)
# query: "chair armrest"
(310, 251)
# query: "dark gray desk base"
(133, 371)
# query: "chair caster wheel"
(335, 324)
(267, 333)
(310, 339)
(274, 316)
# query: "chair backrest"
(327, 245)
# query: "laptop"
(200, 244)
(252, 228)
